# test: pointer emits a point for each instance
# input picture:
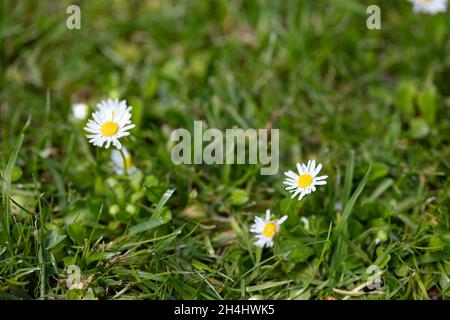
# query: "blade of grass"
(58, 182)
(349, 170)
(341, 228)
(342, 222)
(156, 220)
(6, 190)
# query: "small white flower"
(429, 6)
(265, 229)
(80, 111)
(305, 181)
(119, 164)
(305, 222)
(111, 122)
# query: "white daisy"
(80, 111)
(265, 229)
(111, 122)
(113, 105)
(429, 6)
(305, 181)
(119, 163)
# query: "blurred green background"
(339, 93)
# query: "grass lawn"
(372, 106)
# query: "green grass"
(372, 105)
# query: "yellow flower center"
(304, 180)
(109, 129)
(270, 229)
(128, 163)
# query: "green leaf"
(79, 216)
(402, 271)
(54, 239)
(434, 257)
(238, 197)
(427, 102)
(159, 216)
(77, 233)
(299, 251)
(201, 266)
(419, 128)
(166, 196)
(404, 98)
(379, 170)
(98, 256)
(435, 243)
(16, 174)
(147, 225)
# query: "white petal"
(300, 197)
(131, 126)
(291, 175)
(282, 219)
(259, 220)
(97, 119)
(317, 170)
(296, 193)
(308, 166)
(304, 168)
(290, 183)
(92, 130)
(260, 243)
(300, 168)
(122, 134)
(268, 215)
(116, 143)
(312, 167)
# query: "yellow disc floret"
(270, 229)
(109, 128)
(304, 180)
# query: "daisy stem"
(124, 158)
(97, 159)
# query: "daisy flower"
(305, 181)
(119, 164)
(265, 229)
(79, 111)
(111, 122)
(112, 105)
(429, 6)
